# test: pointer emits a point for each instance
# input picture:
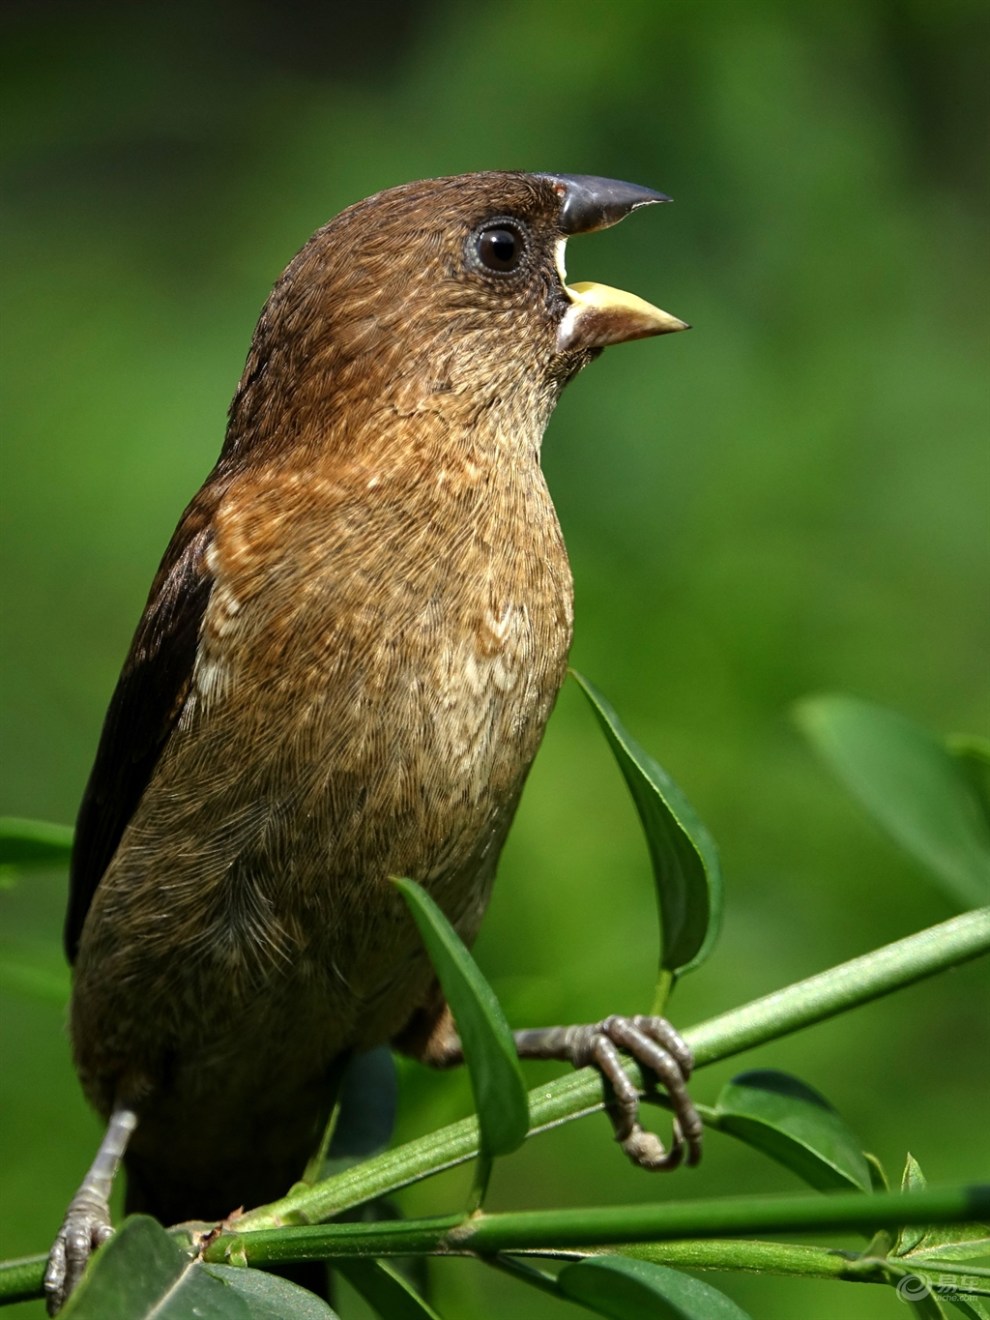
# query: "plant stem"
(822, 996)
(20, 1280)
(825, 995)
(871, 976)
(598, 1226)
(753, 1256)
(518, 1268)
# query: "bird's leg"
(651, 1041)
(664, 1057)
(87, 1221)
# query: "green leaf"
(973, 1308)
(264, 1296)
(791, 1122)
(878, 1174)
(963, 1243)
(629, 1289)
(912, 1180)
(385, 1290)
(928, 1295)
(924, 1247)
(26, 843)
(921, 1301)
(684, 856)
(911, 783)
(489, 1049)
(143, 1272)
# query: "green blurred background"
(792, 497)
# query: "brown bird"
(342, 674)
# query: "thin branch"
(822, 996)
(597, 1226)
(800, 1005)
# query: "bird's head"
(447, 297)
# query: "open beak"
(599, 315)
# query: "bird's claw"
(664, 1057)
(85, 1227)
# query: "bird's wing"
(149, 698)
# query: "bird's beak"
(588, 203)
(599, 315)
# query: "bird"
(342, 674)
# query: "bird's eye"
(500, 247)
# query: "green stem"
(871, 976)
(635, 1229)
(748, 1256)
(20, 1280)
(835, 991)
(479, 1184)
(746, 1215)
(520, 1269)
(745, 1256)
(378, 1239)
(597, 1226)
(665, 984)
(822, 996)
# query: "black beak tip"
(589, 202)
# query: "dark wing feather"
(148, 701)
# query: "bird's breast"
(372, 683)
(392, 654)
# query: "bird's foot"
(85, 1227)
(664, 1057)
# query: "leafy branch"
(579, 1093)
